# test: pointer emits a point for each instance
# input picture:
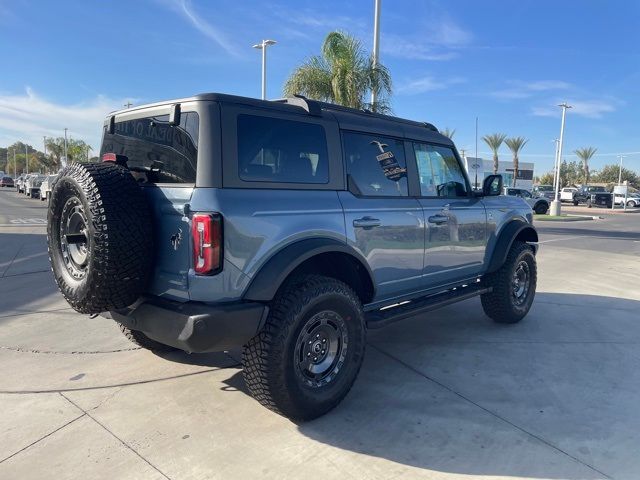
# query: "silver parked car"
(540, 205)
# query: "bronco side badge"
(176, 238)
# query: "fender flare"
(506, 238)
(275, 271)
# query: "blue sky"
(68, 63)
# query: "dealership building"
(482, 168)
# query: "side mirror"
(492, 186)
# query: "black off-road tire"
(109, 205)
(140, 339)
(575, 203)
(541, 208)
(271, 361)
(501, 304)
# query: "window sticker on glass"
(392, 170)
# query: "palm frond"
(494, 141)
(515, 144)
(448, 132)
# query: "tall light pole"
(15, 166)
(26, 157)
(44, 144)
(620, 171)
(376, 45)
(556, 170)
(263, 46)
(65, 147)
(555, 205)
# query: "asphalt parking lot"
(444, 395)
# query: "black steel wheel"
(307, 356)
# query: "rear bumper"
(194, 326)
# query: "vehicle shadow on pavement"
(552, 397)
(211, 359)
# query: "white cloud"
(401, 47)
(436, 40)
(28, 117)
(428, 84)
(520, 90)
(586, 108)
(543, 85)
(184, 8)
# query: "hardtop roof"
(296, 104)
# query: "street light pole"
(620, 171)
(15, 166)
(555, 205)
(376, 45)
(26, 157)
(555, 163)
(65, 147)
(263, 46)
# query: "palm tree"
(585, 155)
(494, 141)
(344, 74)
(515, 144)
(448, 132)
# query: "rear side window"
(157, 151)
(375, 164)
(281, 151)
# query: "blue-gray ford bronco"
(287, 228)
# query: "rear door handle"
(438, 219)
(366, 222)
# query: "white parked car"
(45, 188)
(32, 185)
(566, 194)
(540, 205)
(633, 199)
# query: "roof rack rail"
(431, 126)
(311, 106)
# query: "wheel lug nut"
(323, 352)
(308, 354)
(318, 335)
(315, 359)
(324, 340)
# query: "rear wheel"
(309, 353)
(514, 286)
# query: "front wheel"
(309, 353)
(513, 286)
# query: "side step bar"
(385, 316)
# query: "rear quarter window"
(157, 151)
(281, 151)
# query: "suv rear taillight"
(206, 231)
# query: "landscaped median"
(563, 218)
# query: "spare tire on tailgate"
(99, 235)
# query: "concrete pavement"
(444, 395)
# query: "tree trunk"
(495, 163)
(515, 169)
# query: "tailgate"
(172, 241)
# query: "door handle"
(438, 219)
(366, 222)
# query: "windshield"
(544, 188)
